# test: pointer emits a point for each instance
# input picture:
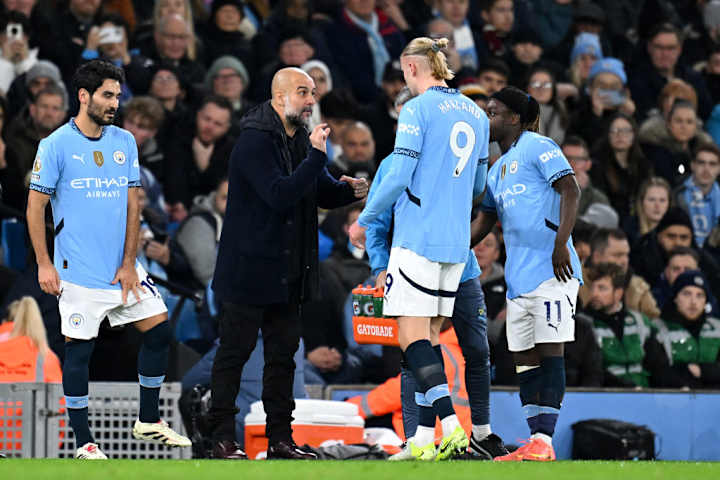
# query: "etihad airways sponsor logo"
(97, 182)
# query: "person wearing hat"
(169, 87)
(229, 32)
(587, 18)
(525, 54)
(532, 190)
(24, 88)
(228, 78)
(476, 93)
(650, 254)
(585, 52)
(626, 337)
(691, 337)
(606, 95)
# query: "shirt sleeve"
(46, 169)
(133, 163)
(488, 203)
(549, 160)
(377, 242)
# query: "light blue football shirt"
(519, 189)
(87, 180)
(439, 163)
(377, 244)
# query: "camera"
(14, 31)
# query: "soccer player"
(88, 170)
(441, 145)
(532, 190)
(470, 323)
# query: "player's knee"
(158, 337)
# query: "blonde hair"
(432, 50)
(28, 322)
(188, 16)
(643, 221)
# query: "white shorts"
(418, 287)
(545, 315)
(82, 309)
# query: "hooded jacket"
(266, 197)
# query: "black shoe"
(490, 447)
(288, 451)
(228, 450)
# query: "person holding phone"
(606, 94)
(17, 56)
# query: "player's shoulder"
(539, 146)
(60, 134)
(119, 133)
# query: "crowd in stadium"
(629, 89)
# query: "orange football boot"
(534, 450)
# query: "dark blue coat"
(254, 252)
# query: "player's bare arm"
(126, 274)
(481, 226)
(569, 191)
(47, 274)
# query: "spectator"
(499, 18)
(493, 76)
(585, 52)
(492, 276)
(358, 153)
(374, 40)
(649, 256)
(583, 357)
(699, 194)
(168, 86)
(476, 93)
(24, 354)
(670, 149)
(23, 6)
(652, 72)
(468, 43)
(199, 235)
(144, 33)
(674, 90)
(576, 151)
(606, 96)
(651, 204)
(47, 111)
(553, 21)
(17, 56)
(338, 109)
(26, 86)
(619, 165)
(108, 39)
(680, 260)
(65, 41)
(581, 235)
(229, 32)
(143, 117)
(553, 112)
(228, 78)
(173, 37)
(526, 57)
(200, 158)
(381, 115)
(711, 73)
(322, 77)
(692, 357)
(626, 337)
(611, 246)
(439, 28)
(588, 18)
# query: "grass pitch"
(349, 470)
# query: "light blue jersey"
(87, 180)
(377, 244)
(519, 189)
(704, 210)
(439, 164)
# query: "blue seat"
(13, 244)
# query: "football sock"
(75, 387)
(152, 365)
(410, 411)
(530, 379)
(551, 393)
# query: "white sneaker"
(90, 451)
(404, 454)
(159, 432)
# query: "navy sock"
(530, 382)
(75, 387)
(438, 352)
(429, 375)
(551, 393)
(152, 365)
(410, 413)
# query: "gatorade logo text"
(375, 330)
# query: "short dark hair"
(618, 278)
(221, 102)
(583, 232)
(575, 141)
(16, 17)
(601, 238)
(52, 89)
(149, 108)
(91, 75)
(486, 5)
(117, 20)
(707, 147)
(495, 65)
(665, 27)
(684, 251)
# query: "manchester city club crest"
(514, 166)
(98, 157)
(119, 157)
(76, 320)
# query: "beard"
(97, 114)
(295, 118)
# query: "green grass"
(349, 470)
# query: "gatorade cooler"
(369, 325)
(316, 422)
